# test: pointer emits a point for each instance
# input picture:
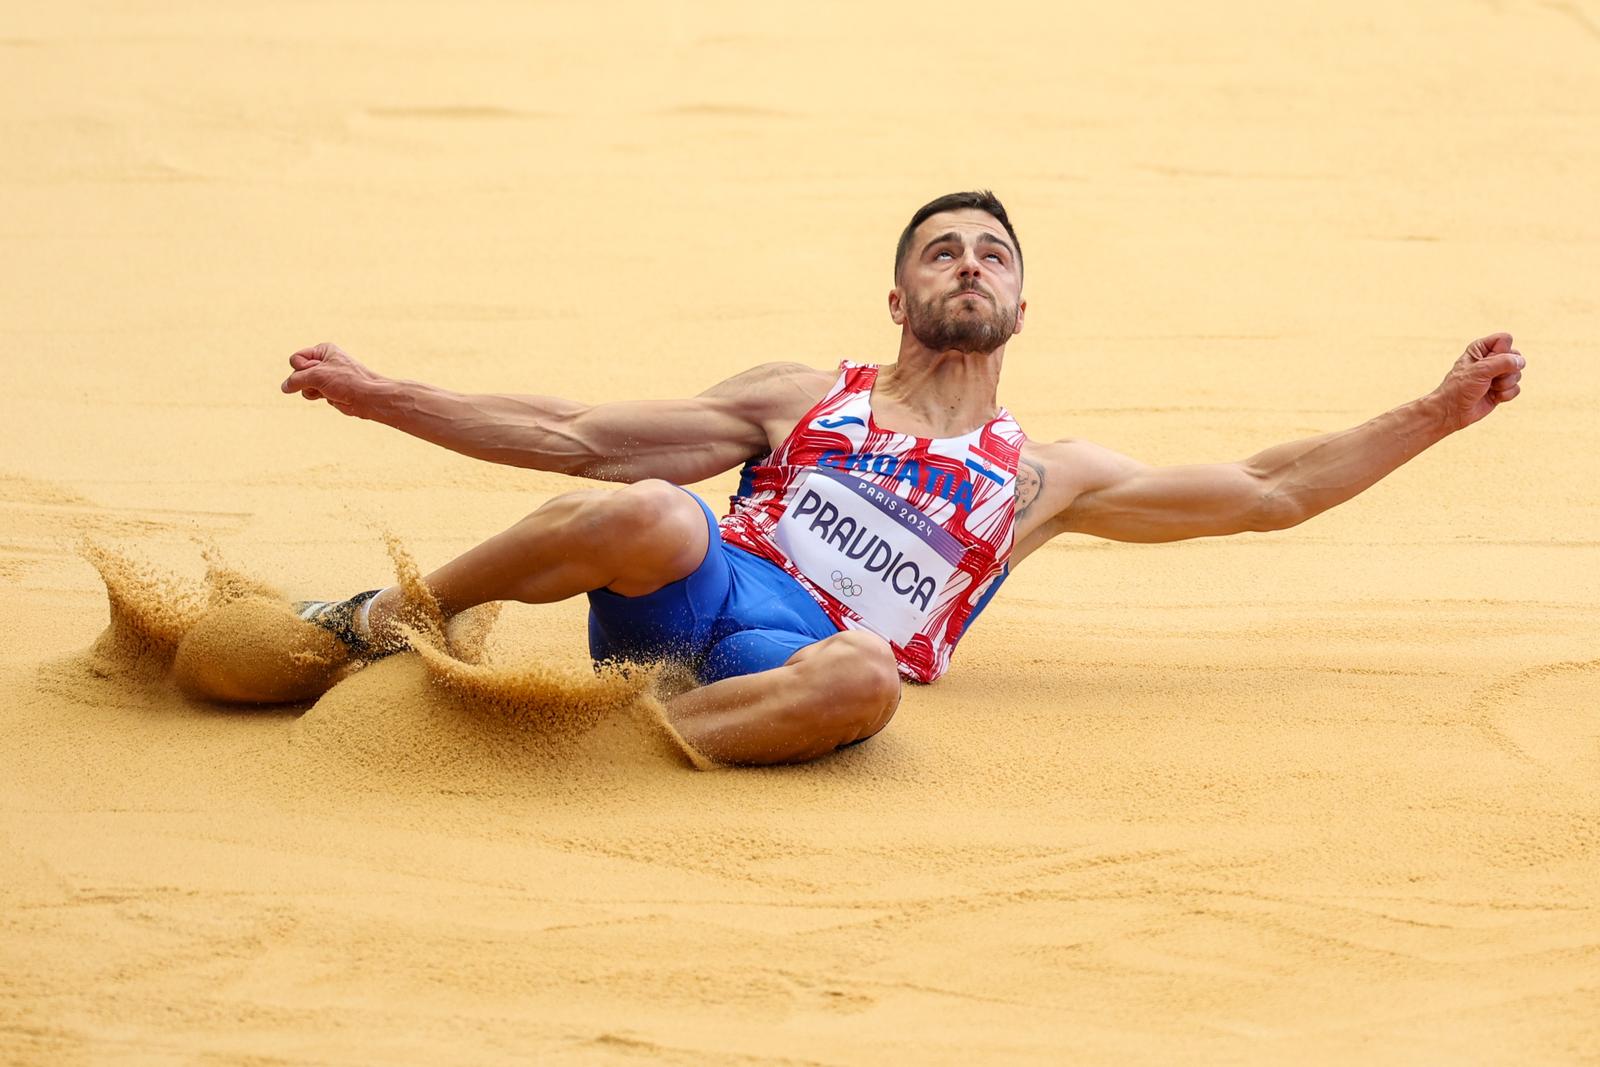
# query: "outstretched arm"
(678, 440)
(1127, 501)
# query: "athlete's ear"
(897, 307)
(1022, 312)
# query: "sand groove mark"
(1488, 709)
(955, 994)
(48, 520)
(455, 112)
(659, 1053)
(1330, 906)
(1436, 954)
(1047, 866)
(904, 914)
(1494, 904)
(723, 110)
(723, 862)
(21, 489)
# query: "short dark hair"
(978, 199)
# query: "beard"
(944, 326)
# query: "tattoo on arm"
(1030, 481)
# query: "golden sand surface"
(1330, 795)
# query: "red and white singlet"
(900, 535)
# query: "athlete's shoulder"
(1069, 467)
(1081, 457)
(799, 374)
(773, 373)
(774, 386)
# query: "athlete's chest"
(899, 531)
(841, 437)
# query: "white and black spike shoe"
(338, 617)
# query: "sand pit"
(1330, 795)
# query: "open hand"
(328, 372)
(1487, 375)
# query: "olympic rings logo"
(843, 584)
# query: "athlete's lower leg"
(838, 690)
(632, 541)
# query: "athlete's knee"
(648, 534)
(871, 665)
(635, 518)
(858, 680)
(653, 511)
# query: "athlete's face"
(959, 288)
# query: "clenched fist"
(1487, 375)
(328, 372)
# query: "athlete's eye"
(936, 255)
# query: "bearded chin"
(954, 332)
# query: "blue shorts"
(735, 614)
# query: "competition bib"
(881, 557)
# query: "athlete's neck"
(938, 394)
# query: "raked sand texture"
(1330, 795)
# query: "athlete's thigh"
(672, 622)
(751, 652)
(768, 618)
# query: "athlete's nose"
(970, 266)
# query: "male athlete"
(880, 507)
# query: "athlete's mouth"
(971, 292)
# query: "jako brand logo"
(941, 483)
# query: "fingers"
(1498, 365)
(300, 382)
(312, 355)
(1507, 385)
(305, 381)
(1488, 346)
(302, 360)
